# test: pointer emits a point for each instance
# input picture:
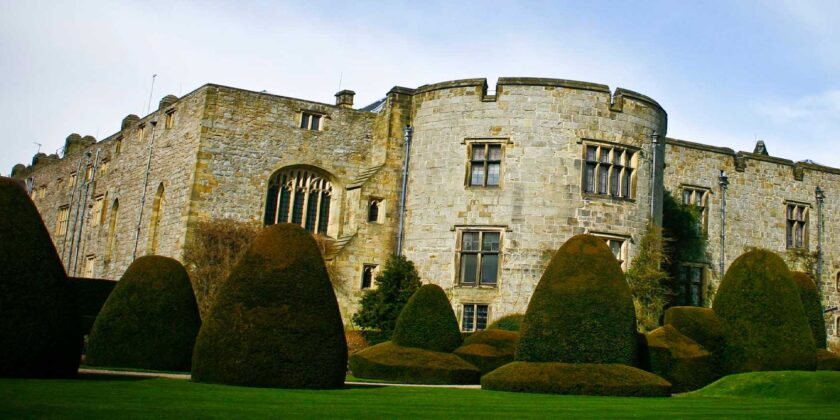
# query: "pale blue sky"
(727, 72)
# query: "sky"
(727, 72)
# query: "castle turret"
(129, 121)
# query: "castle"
(478, 188)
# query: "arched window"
(154, 225)
(112, 230)
(300, 196)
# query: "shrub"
(149, 321)
(699, 324)
(380, 307)
(275, 322)
(390, 362)
(428, 322)
(581, 310)
(39, 321)
(812, 306)
(510, 322)
(765, 327)
(680, 360)
(90, 296)
(489, 349)
(576, 379)
(827, 360)
(211, 251)
(646, 279)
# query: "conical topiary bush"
(275, 322)
(428, 322)
(39, 322)
(812, 306)
(149, 321)
(582, 310)
(765, 327)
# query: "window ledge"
(483, 187)
(473, 286)
(607, 197)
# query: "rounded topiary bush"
(275, 322)
(680, 360)
(512, 322)
(149, 321)
(576, 379)
(489, 349)
(699, 324)
(390, 362)
(812, 306)
(827, 360)
(765, 327)
(428, 322)
(39, 322)
(581, 310)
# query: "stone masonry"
(210, 155)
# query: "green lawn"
(100, 397)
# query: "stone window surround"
(302, 180)
(373, 270)
(688, 282)
(307, 118)
(471, 142)
(90, 261)
(704, 193)
(169, 118)
(803, 223)
(62, 217)
(474, 319)
(632, 164)
(459, 232)
(624, 252)
(379, 205)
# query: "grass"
(820, 386)
(121, 397)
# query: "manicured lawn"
(100, 397)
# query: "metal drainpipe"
(723, 180)
(820, 195)
(145, 187)
(84, 209)
(80, 181)
(407, 132)
(653, 168)
(72, 197)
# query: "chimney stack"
(344, 98)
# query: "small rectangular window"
(689, 287)
(103, 167)
(169, 120)
(485, 166)
(368, 274)
(42, 192)
(118, 146)
(796, 234)
(608, 171)
(90, 260)
(699, 199)
(61, 220)
(97, 214)
(71, 180)
(89, 173)
(474, 317)
(374, 210)
(310, 121)
(479, 258)
(618, 246)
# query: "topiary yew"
(576, 379)
(390, 362)
(39, 321)
(428, 322)
(699, 324)
(765, 327)
(489, 349)
(149, 321)
(812, 306)
(512, 322)
(680, 360)
(276, 321)
(827, 360)
(582, 310)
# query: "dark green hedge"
(576, 379)
(581, 310)
(275, 322)
(812, 306)
(699, 324)
(39, 321)
(489, 349)
(90, 295)
(680, 360)
(390, 362)
(428, 322)
(512, 322)
(765, 327)
(149, 321)
(827, 360)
